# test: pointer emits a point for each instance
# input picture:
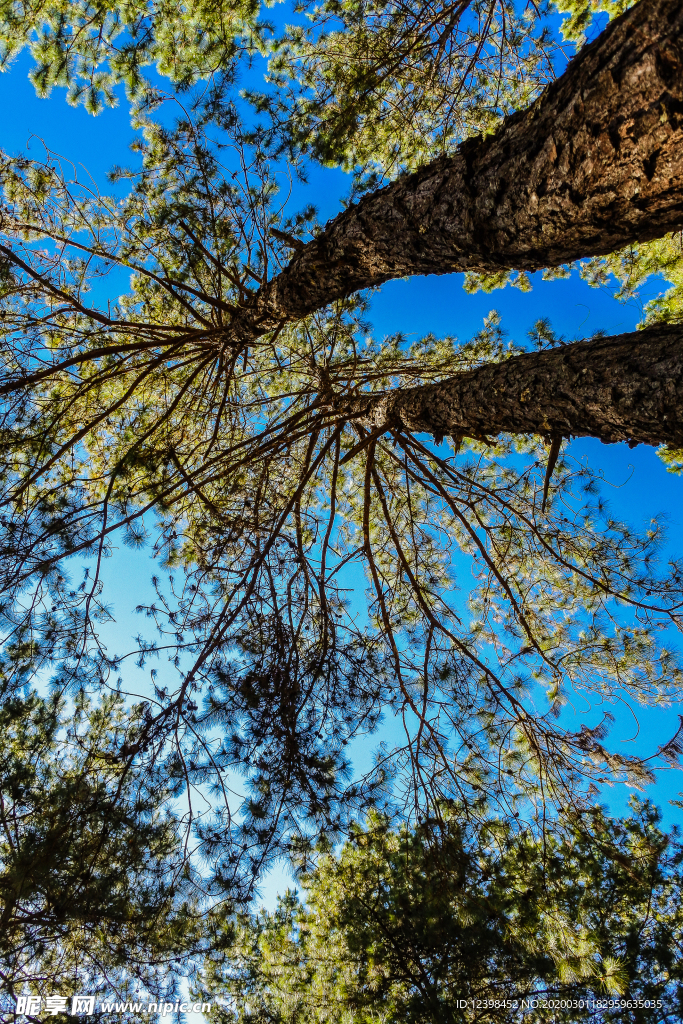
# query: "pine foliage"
(452, 923)
(90, 895)
(312, 578)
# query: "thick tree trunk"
(595, 163)
(626, 388)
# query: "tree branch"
(625, 388)
(596, 162)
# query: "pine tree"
(245, 437)
(91, 46)
(91, 898)
(592, 165)
(450, 923)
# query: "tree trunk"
(626, 388)
(595, 163)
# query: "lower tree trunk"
(625, 388)
(594, 164)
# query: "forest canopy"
(347, 529)
(405, 924)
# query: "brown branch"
(625, 388)
(595, 163)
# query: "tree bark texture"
(624, 388)
(596, 162)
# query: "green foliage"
(90, 46)
(581, 13)
(673, 459)
(623, 273)
(403, 926)
(379, 85)
(90, 893)
(375, 86)
(633, 266)
(384, 86)
(489, 282)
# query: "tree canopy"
(188, 366)
(91, 896)
(450, 923)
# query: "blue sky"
(637, 482)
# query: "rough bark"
(625, 388)
(594, 164)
